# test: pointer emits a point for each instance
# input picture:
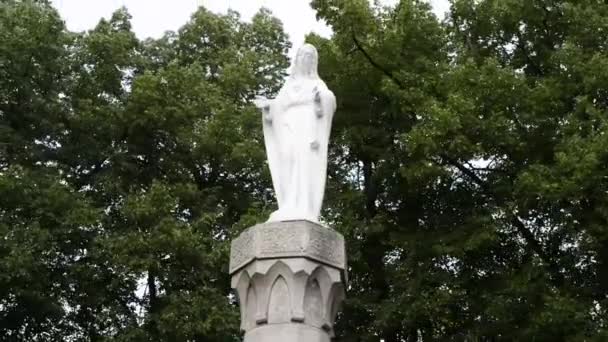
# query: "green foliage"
(470, 178)
(467, 170)
(125, 169)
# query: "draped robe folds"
(297, 126)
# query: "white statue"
(297, 124)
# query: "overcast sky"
(151, 18)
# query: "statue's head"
(305, 64)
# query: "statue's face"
(306, 59)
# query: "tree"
(127, 168)
(471, 168)
(44, 223)
(467, 170)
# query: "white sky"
(151, 18)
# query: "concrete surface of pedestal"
(290, 279)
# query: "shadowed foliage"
(467, 170)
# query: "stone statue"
(297, 125)
(290, 274)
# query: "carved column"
(290, 278)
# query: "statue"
(297, 125)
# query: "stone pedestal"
(290, 278)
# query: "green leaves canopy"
(480, 183)
(467, 170)
(126, 167)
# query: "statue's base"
(289, 277)
(287, 333)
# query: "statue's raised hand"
(264, 105)
(318, 105)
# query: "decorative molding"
(293, 290)
(288, 240)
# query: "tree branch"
(538, 249)
(516, 221)
(375, 64)
(386, 72)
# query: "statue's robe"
(297, 126)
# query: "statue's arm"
(324, 106)
(325, 103)
(265, 105)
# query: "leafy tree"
(472, 168)
(128, 166)
(45, 225)
(467, 170)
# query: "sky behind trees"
(151, 18)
